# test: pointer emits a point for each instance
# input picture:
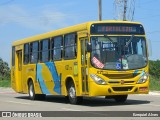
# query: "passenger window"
(34, 52)
(26, 53)
(57, 47)
(70, 46)
(44, 50)
(13, 56)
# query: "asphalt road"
(11, 101)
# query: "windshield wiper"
(129, 41)
(109, 38)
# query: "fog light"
(143, 88)
(136, 90)
(109, 90)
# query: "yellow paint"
(72, 69)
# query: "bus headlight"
(143, 79)
(97, 79)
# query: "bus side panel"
(69, 70)
(28, 73)
(48, 78)
(17, 71)
(61, 69)
(13, 81)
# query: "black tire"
(73, 99)
(109, 97)
(32, 94)
(120, 98)
(31, 91)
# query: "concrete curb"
(154, 93)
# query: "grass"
(154, 83)
(5, 83)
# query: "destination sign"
(117, 29)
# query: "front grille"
(122, 88)
(121, 76)
(128, 81)
(119, 82)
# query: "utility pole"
(125, 10)
(100, 10)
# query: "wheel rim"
(31, 90)
(72, 92)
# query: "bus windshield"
(118, 52)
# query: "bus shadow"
(93, 102)
(90, 101)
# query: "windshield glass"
(118, 53)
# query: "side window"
(34, 52)
(70, 46)
(44, 50)
(26, 53)
(13, 56)
(57, 46)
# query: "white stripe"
(152, 105)
(70, 109)
(17, 102)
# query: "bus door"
(19, 70)
(84, 69)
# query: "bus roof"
(70, 29)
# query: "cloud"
(32, 21)
(11, 14)
(46, 19)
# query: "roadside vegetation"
(4, 74)
(154, 71)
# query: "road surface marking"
(67, 109)
(8, 92)
(152, 105)
(17, 102)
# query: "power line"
(154, 31)
(124, 9)
(40, 18)
(150, 16)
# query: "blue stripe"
(135, 72)
(56, 78)
(142, 73)
(41, 81)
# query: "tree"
(154, 68)
(4, 69)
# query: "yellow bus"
(99, 58)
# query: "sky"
(24, 18)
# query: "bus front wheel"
(120, 98)
(73, 99)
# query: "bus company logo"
(6, 114)
(122, 81)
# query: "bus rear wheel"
(120, 98)
(32, 94)
(73, 99)
(31, 91)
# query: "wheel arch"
(68, 81)
(29, 80)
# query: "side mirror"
(149, 47)
(89, 47)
